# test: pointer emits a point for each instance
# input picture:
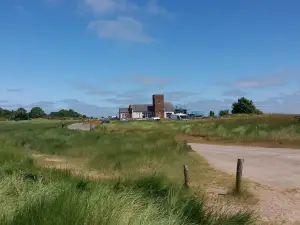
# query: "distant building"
(180, 110)
(158, 108)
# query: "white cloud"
(154, 8)
(110, 6)
(125, 6)
(123, 28)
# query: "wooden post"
(239, 173)
(186, 175)
(90, 126)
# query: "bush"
(211, 114)
(224, 113)
(36, 112)
(244, 106)
(21, 114)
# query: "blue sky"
(97, 55)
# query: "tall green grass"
(149, 200)
(113, 153)
(144, 185)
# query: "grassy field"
(135, 177)
(262, 130)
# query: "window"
(158, 101)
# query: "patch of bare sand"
(272, 206)
(76, 167)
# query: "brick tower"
(158, 106)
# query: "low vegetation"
(137, 180)
(269, 130)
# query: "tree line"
(241, 106)
(38, 112)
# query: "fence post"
(186, 175)
(239, 173)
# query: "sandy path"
(269, 166)
(277, 168)
(80, 126)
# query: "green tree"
(211, 114)
(65, 113)
(244, 106)
(36, 112)
(21, 114)
(224, 112)
(5, 113)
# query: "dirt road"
(279, 169)
(80, 126)
(270, 166)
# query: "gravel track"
(271, 166)
(277, 168)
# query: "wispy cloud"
(101, 7)
(111, 6)
(265, 80)
(289, 103)
(260, 82)
(234, 93)
(123, 28)
(14, 90)
(179, 95)
(154, 8)
(11, 106)
(125, 21)
(149, 80)
(90, 89)
(87, 109)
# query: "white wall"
(122, 115)
(168, 112)
(137, 115)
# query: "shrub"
(224, 112)
(244, 106)
(211, 114)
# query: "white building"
(159, 108)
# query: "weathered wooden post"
(239, 173)
(186, 175)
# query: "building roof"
(142, 107)
(123, 110)
(149, 107)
